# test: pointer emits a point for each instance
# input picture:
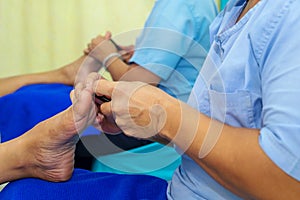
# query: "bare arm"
(67, 74)
(235, 158)
(102, 47)
(121, 71)
(236, 161)
(11, 84)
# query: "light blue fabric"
(223, 4)
(250, 79)
(141, 161)
(173, 45)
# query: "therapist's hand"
(138, 109)
(91, 105)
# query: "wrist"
(182, 125)
(108, 60)
(102, 50)
(171, 125)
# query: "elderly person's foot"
(49, 147)
(47, 150)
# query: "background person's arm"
(67, 74)
(120, 71)
(102, 48)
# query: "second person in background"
(168, 53)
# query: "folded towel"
(88, 185)
(29, 105)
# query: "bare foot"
(50, 146)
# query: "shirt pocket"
(234, 108)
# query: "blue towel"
(22, 110)
(90, 186)
(29, 105)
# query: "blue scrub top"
(257, 86)
(174, 43)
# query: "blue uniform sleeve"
(170, 30)
(280, 63)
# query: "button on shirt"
(249, 79)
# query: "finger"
(105, 109)
(93, 41)
(90, 46)
(104, 87)
(107, 35)
(86, 51)
(126, 56)
(99, 118)
(127, 48)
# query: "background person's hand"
(100, 47)
(96, 41)
(126, 52)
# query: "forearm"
(117, 68)
(11, 84)
(103, 49)
(64, 75)
(236, 160)
(121, 71)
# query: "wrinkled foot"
(51, 144)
